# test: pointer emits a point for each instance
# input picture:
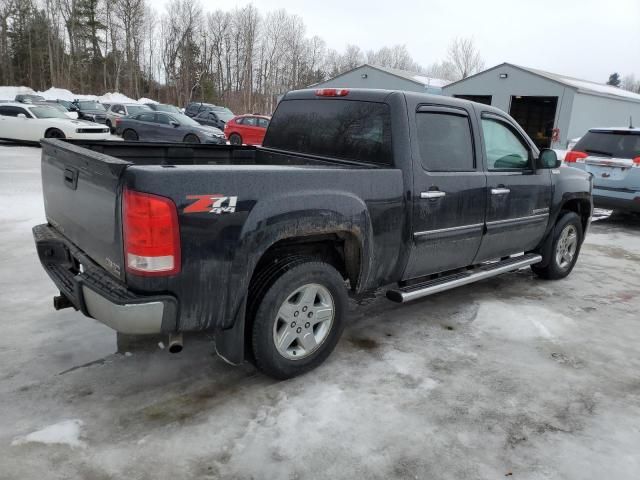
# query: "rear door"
(518, 195)
(449, 191)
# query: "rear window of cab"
(344, 129)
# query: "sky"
(586, 39)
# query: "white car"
(30, 123)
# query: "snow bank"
(115, 97)
(9, 93)
(66, 432)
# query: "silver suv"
(612, 156)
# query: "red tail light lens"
(332, 92)
(117, 121)
(151, 234)
(636, 162)
(574, 156)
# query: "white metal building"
(373, 76)
(551, 108)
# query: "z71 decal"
(215, 203)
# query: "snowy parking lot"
(513, 377)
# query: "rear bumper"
(616, 199)
(97, 294)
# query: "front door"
(518, 195)
(449, 191)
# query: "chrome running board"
(481, 272)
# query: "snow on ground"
(513, 375)
(66, 432)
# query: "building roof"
(581, 86)
(417, 78)
(411, 76)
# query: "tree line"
(242, 58)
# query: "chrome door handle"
(499, 191)
(432, 194)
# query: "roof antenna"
(631, 122)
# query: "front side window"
(344, 129)
(163, 119)
(445, 142)
(504, 148)
(263, 122)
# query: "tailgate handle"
(71, 178)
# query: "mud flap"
(230, 343)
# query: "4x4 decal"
(215, 203)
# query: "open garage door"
(536, 116)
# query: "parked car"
(612, 156)
(91, 110)
(258, 244)
(31, 122)
(119, 110)
(214, 118)
(222, 114)
(163, 107)
(29, 98)
(246, 129)
(153, 126)
(70, 106)
(60, 108)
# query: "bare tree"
(465, 57)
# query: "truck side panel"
(220, 248)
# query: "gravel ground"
(510, 377)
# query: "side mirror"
(175, 124)
(548, 159)
(21, 115)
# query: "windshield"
(57, 106)
(160, 107)
(184, 120)
(47, 112)
(133, 109)
(90, 106)
(224, 114)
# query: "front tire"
(54, 133)
(130, 135)
(563, 255)
(191, 139)
(299, 318)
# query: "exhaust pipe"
(175, 343)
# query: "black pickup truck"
(352, 190)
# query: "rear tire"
(235, 139)
(298, 318)
(567, 240)
(191, 139)
(54, 133)
(130, 135)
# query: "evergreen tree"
(614, 79)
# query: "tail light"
(332, 92)
(116, 121)
(151, 234)
(636, 162)
(575, 156)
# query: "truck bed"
(148, 153)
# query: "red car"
(246, 129)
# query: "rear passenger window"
(445, 142)
(345, 129)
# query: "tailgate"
(616, 173)
(82, 200)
